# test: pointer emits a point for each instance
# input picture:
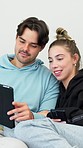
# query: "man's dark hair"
(35, 24)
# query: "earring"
(75, 64)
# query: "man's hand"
(21, 112)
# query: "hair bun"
(62, 34)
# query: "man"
(35, 88)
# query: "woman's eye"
(60, 59)
(50, 61)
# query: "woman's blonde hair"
(63, 39)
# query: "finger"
(19, 117)
(18, 110)
(19, 104)
(22, 118)
(63, 121)
(13, 111)
(25, 117)
(14, 117)
(57, 120)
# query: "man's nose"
(26, 46)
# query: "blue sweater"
(33, 84)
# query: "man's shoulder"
(45, 69)
(40, 64)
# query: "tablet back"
(6, 99)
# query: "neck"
(67, 80)
(17, 63)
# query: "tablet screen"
(6, 99)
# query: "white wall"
(56, 13)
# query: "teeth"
(57, 72)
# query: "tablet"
(6, 99)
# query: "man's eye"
(22, 41)
(34, 46)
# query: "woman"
(64, 61)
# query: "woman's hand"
(58, 120)
(21, 112)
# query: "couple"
(64, 59)
(64, 62)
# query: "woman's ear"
(75, 58)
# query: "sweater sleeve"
(75, 114)
(50, 95)
(38, 116)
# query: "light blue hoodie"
(33, 84)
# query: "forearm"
(43, 112)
